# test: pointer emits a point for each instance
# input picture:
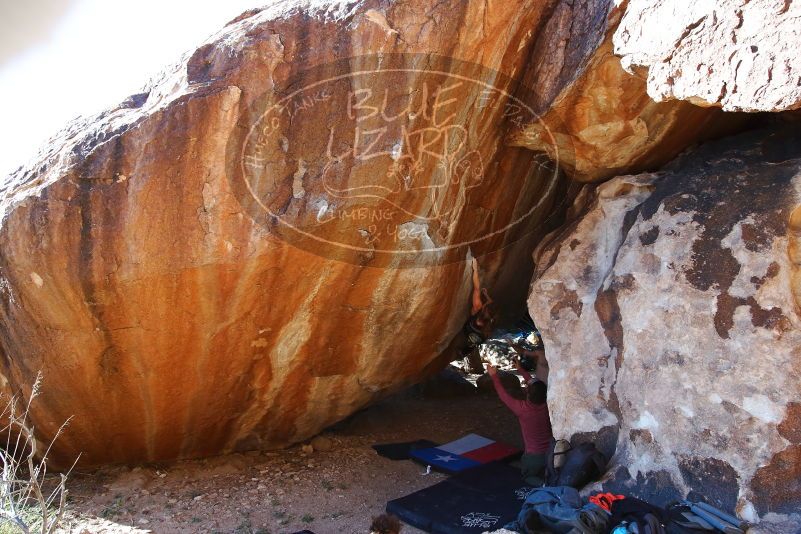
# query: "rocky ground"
(335, 483)
(336, 487)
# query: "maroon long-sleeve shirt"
(535, 422)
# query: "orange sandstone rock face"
(601, 121)
(269, 237)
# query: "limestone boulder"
(740, 55)
(670, 314)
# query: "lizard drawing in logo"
(423, 173)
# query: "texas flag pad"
(464, 453)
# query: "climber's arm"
(520, 369)
(477, 303)
(510, 402)
(515, 347)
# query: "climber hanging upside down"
(478, 326)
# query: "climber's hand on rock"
(485, 293)
(491, 369)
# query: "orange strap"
(605, 500)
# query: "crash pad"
(402, 451)
(483, 498)
(464, 453)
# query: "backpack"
(559, 510)
(575, 467)
(557, 451)
(648, 524)
(638, 516)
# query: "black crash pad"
(402, 451)
(480, 499)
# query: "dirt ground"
(337, 488)
(325, 491)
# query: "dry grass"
(30, 500)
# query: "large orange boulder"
(275, 233)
